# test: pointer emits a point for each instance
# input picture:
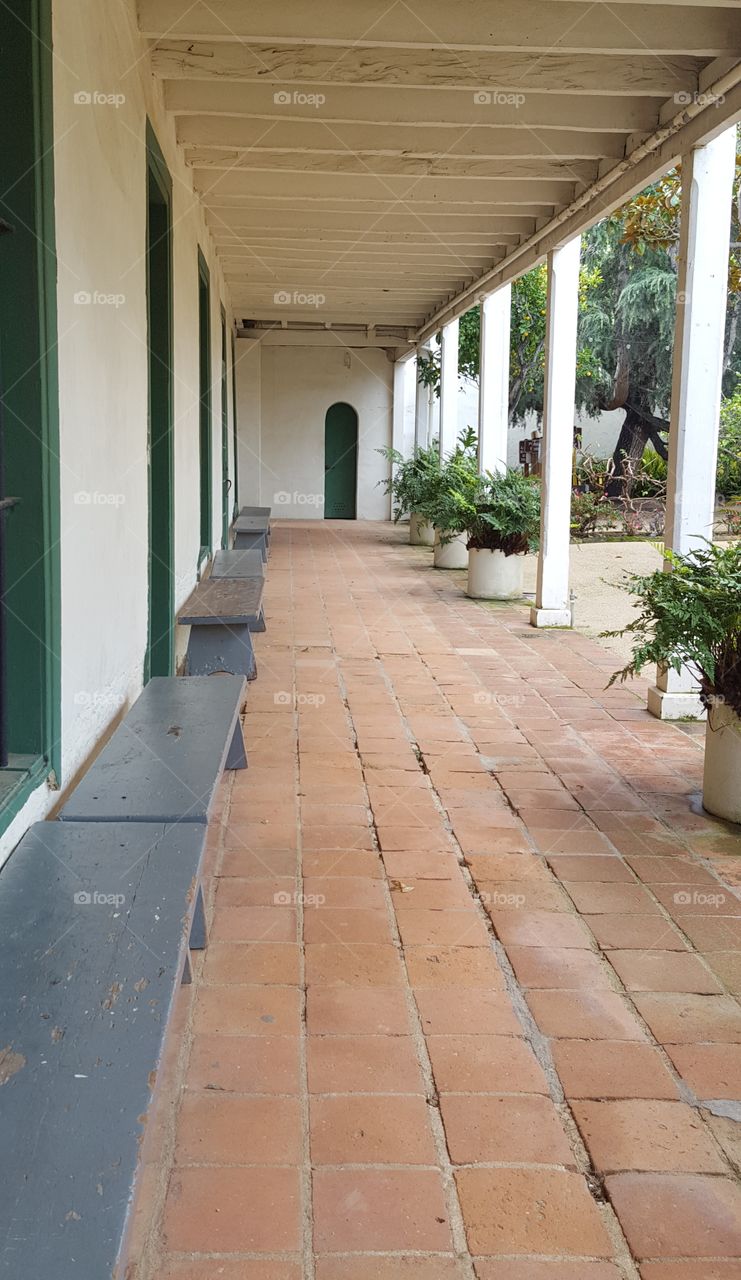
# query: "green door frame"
(28, 335)
(204, 401)
(235, 433)
(159, 658)
(225, 481)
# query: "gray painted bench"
(238, 564)
(165, 761)
(252, 533)
(94, 930)
(255, 511)
(221, 614)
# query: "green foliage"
(691, 614)
(500, 513)
(411, 479)
(729, 447)
(458, 473)
(591, 513)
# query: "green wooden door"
(159, 658)
(340, 462)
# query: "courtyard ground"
(470, 1005)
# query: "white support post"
(552, 602)
(422, 403)
(400, 403)
(494, 380)
(702, 295)
(449, 388)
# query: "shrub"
(691, 614)
(502, 513)
(411, 479)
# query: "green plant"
(591, 513)
(410, 479)
(502, 513)
(729, 447)
(458, 473)
(691, 614)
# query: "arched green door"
(340, 462)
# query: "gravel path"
(596, 570)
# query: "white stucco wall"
(283, 395)
(599, 434)
(100, 202)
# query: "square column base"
(675, 706)
(550, 617)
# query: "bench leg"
(216, 648)
(198, 932)
(236, 756)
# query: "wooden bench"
(165, 761)
(221, 614)
(238, 564)
(255, 511)
(252, 533)
(94, 930)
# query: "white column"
(702, 296)
(552, 603)
(449, 388)
(422, 403)
(494, 380)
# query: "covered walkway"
(470, 1005)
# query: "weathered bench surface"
(223, 601)
(252, 524)
(255, 511)
(93, 928)
(163, 763)
(238, 564)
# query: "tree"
(627, 305)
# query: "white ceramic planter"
(721, 788)
(453, 554)
(494, 576)
(421, 532)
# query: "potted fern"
(502, 522)
(691, 616)
(409, 483)
(458, 473)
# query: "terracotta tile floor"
(470, 1006)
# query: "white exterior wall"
(101, 206)
(283, 394)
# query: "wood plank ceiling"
(362, 162)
